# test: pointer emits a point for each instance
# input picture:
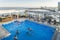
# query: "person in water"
(28, 33)
(17, 32)
(29, 29)
(15, 37)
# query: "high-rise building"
(58, 6)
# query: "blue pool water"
(39, 31)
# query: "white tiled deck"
(3, 32)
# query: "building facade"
(58, 6)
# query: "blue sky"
(28, 3)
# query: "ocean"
(10, 8)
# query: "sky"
(28, 3)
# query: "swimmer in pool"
(28, 33)
(17, 32)
(15, 37)
(29, 29)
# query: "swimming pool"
(39, 31)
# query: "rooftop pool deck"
(39, 31)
